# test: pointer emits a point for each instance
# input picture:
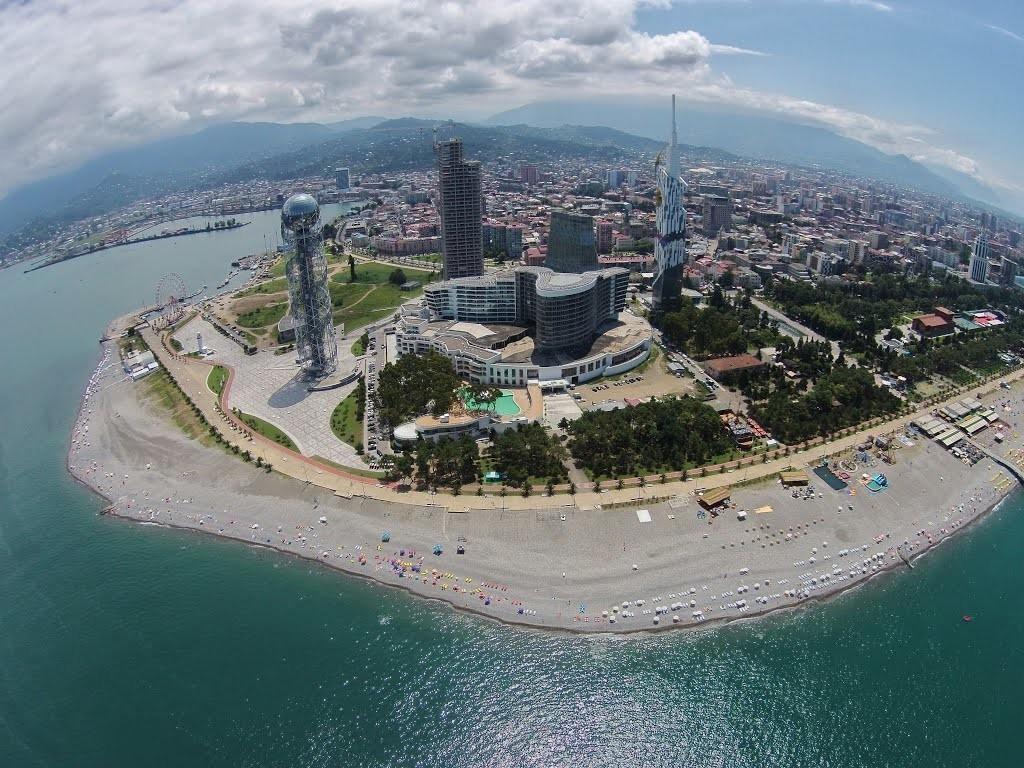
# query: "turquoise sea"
(125, 645)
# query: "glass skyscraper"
(670, 248)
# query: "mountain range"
(602, 131)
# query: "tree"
(401, 466)
(528, 451)
(351, 268)
(414, 385)
(397, 277)
(484, 394)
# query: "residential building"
(717, 214)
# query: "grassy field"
(266, 429)
(270, 286)
(217, 378)
(357, 348)
(344, 424)
(375, 272)
(268, 315)
(371, 297)
(159, 389)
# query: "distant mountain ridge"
(747, 135)
(601, 131)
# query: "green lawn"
(266, 429)
(217, 379)
(268, 315)
(270, 286)
(278, 269)
(376, 304)
(344, 294)
(375, 272)
(344, 424)
(357, 348)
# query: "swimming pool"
(503, 406)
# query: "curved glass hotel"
(528, 325)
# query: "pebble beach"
(555, 566)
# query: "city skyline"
(913, 80)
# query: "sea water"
(129, 645)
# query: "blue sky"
(933, 63)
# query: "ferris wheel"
(170, 297)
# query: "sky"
(938, 80)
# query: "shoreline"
(888, 571)
(518, 546)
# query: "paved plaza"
(268, 386)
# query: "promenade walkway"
(191, 375)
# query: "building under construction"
(460, 204)
(306, 269)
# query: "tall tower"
(306, 270)
(571, 243)
(670, 248)
(460, 203)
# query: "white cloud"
(1005, 32)
(874, 5)
(81, 78)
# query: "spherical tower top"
(300, 211)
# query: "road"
(795, 325)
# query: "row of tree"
(839, 399)
(528, 451)
(722, 328)
(445, 463)
(661, 435)
(854, 312)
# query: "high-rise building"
(571, 244)
(528, 174)
(341, 178)
(1008, 272)
(670, 219)
(503, 241)
(979, 259)
(605, 230)
(460, 204)
(306, 269)
(614, 178)
(717, 214)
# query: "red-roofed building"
(932, 325)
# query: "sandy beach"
(555, 566)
